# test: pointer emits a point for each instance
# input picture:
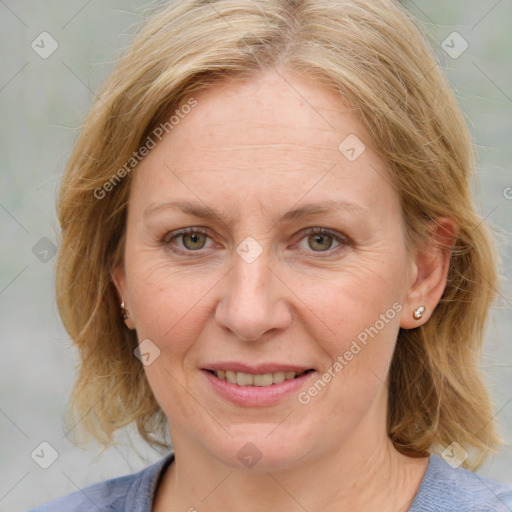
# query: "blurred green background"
(43, 103)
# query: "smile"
(257, 389)
(261, 379)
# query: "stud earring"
(418, 313)
(124, 311)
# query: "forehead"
(277, 133)
(270, 114)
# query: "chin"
(259, 448)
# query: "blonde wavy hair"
(379, 60)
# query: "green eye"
(186, 240)
(320, 242)
(193, 241)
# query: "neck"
(373, 477)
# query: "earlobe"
(432, 262)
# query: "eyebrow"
(207, 213)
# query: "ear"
(119, 280)
(431, 265)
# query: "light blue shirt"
(443, 489)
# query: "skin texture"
(252, 151)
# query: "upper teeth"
(248, 379)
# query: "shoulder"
(447, 489)
(130, 492)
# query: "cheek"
(169, 305)
(355, 295)
(356, 358)
(355, 322)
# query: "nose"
(253, 304)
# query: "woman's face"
(295, 260)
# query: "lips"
(255, 389)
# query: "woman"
(269, 247)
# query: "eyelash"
(341, 239)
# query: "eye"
(322, 240)
(192, 239)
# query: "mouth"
(257, 385)
(258, 379)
